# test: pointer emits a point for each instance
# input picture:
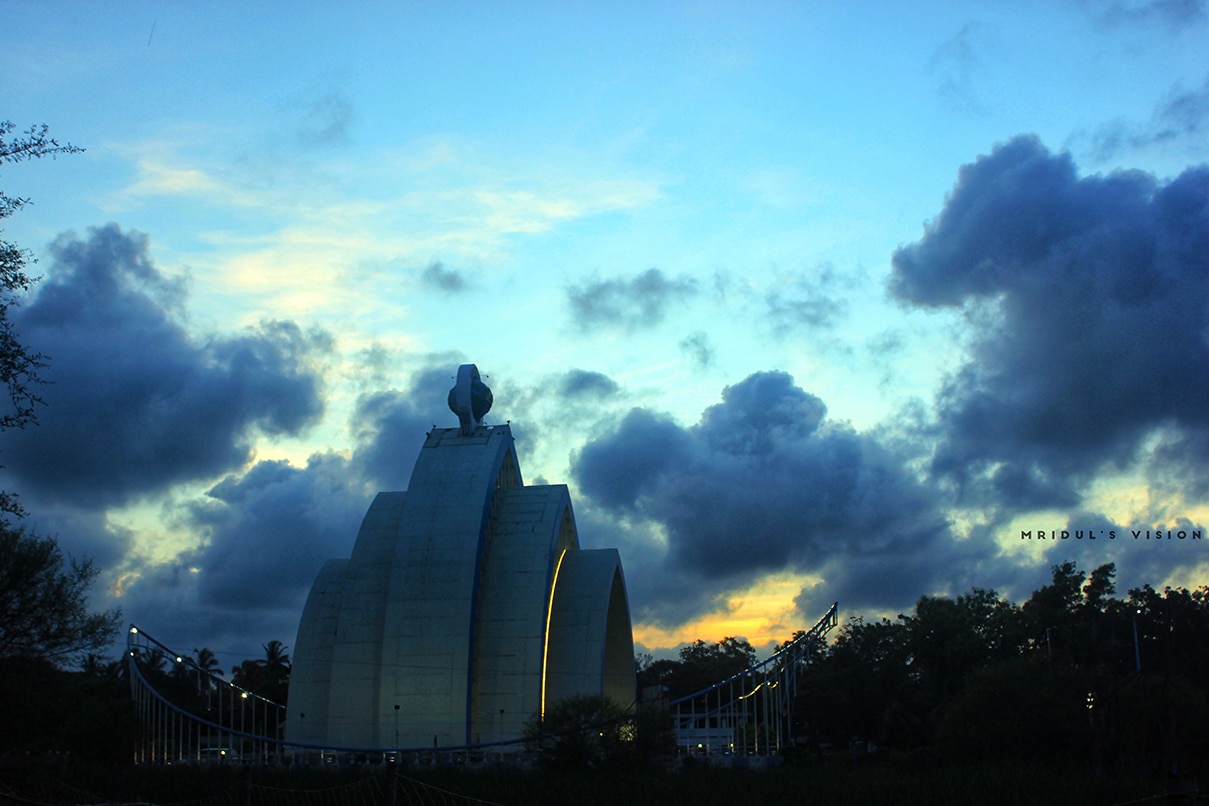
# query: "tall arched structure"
(466, 608)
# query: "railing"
(749, 713)
(191, 715)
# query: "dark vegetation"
(887, 782)
(1074, 678)
(1075, 696)
(972, 698)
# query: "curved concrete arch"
(591, 643)
(431, 615)
(530, 530)
(347, 700)
(311, 677)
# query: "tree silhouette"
(701, 665)
(44, 601)
(19, 365)
(268, 676)
(580, 733)
(207, 661)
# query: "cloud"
(547, 411)
(1183, 113)
(437, 277)
(158, 179)
(764, 483)
(659, 591)
(390, 427)
(1182, 116)
(810, 301)
(264, 536)
(278, 516)
(638, 303)
(1177, 465)
(616, 470)
(82, 533)
(1174, 13)
(956, 64)
(326, 121)
(1086, 298)
(578, 383)
(697, 348)
(1096, 539)
(274, 516)
(135, 404)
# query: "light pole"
(243, 704)
(1137, 653)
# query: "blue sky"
(805, 301)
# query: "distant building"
(466, 608)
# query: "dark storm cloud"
(892, 581)
(1087, 297)
(264, 537)
(659, 591)
(763, 483)
(285, 518)
(437, 277)
(275, 516)
(1178, 465)
(81, 533)
(616, 470)
(135, 403)
(390, 426)
(630, 304)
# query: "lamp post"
(1137, 653)
(243, 704)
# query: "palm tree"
(268, 676)
(207, 661)
(276, 670)
(276, 659)
(208, 669)
(94, 665)
(153, 663)
(207, 664)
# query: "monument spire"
(470, 398)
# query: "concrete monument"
(466, 608)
